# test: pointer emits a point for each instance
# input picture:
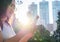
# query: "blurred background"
(47, 10)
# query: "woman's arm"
(27, 37)
(20, 35)
(1, 38)
(16, 38)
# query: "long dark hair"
(3, 7)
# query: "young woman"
(7, 33)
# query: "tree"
(41, 35)
(56, 35)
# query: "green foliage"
(58, 22)
(56, 36)
(41, 35)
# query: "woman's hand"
(26, 37)
(29, 34)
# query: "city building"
(56, 9)
(44, 11)
(33, 9)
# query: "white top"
(7, 31)
(0, 28)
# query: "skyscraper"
(33, 8)
(44, 11)
(56, 9)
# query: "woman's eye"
(12, 6)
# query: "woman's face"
(10, 9)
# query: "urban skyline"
(51, 17)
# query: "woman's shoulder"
(8, 31)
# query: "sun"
(24, 21)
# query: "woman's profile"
(7, 33)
